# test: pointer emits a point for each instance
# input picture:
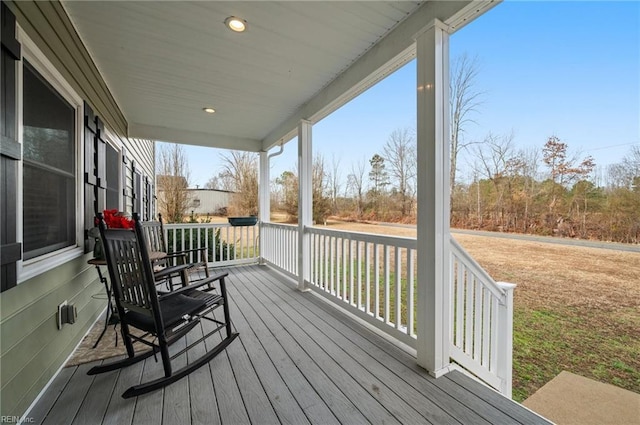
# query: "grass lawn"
(576, 308)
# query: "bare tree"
(319, 184)
(289, 183)
(356, 185)
(495, 162)
(172, 171)
(242, 169)
(464, 101)
(493, 155)
(334, 182)
(625, 173)
(223, 181)
(400, 153)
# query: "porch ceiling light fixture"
(209, 110)
(235, 24)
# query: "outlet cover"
(59, 316)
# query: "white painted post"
(264, 204)
(505, 339)
(433, 304)
(305, 201)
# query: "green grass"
(546, 342)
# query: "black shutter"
(90, 175)
(147, 198)
(125, 191)
(101, 166)
(10, 249)
(95, 171)
(137, 189)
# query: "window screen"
(49, 171)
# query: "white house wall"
(210, 201)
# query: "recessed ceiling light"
(235, 24)
(209, 110)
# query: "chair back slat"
(154, 234)
(132, 279)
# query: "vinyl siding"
(32, 348)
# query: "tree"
(319, 184)
(223, 181)
(379, 180)
(288, 181)
(495, 158)
(356, 185)
(172, 171)
(400, 152)
(241, 168)
(378, 175)
(464, 101)
(624, 173)
(564, 169)
(334, 183)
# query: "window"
(49, 167)
(50, 208)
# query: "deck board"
(298, 360)
(204, 408)
(120, 411)
(95, 404)
(66, 407)
(176, 407)
(48, 399)
(363, 399)
(295, 361)
(399, 362)
(404, 404)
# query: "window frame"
(26, 269)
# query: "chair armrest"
(186, 251)
(171, 270)
(195, 285)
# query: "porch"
(298, 360)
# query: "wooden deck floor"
(297, 361)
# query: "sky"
(569, 69)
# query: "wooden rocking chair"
(164, 318)
(173, 264)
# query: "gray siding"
(32, 348)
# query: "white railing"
(373, 276)
(281, 247)
(481, 334)
(226, 244)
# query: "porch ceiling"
(165, 61)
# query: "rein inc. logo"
(4, 419)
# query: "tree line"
(543, 190)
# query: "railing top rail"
(402, 242)
(194, 225)
(283, 225)
(477, 269)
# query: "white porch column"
(305, 201)
(264, 202)
(433, 309)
